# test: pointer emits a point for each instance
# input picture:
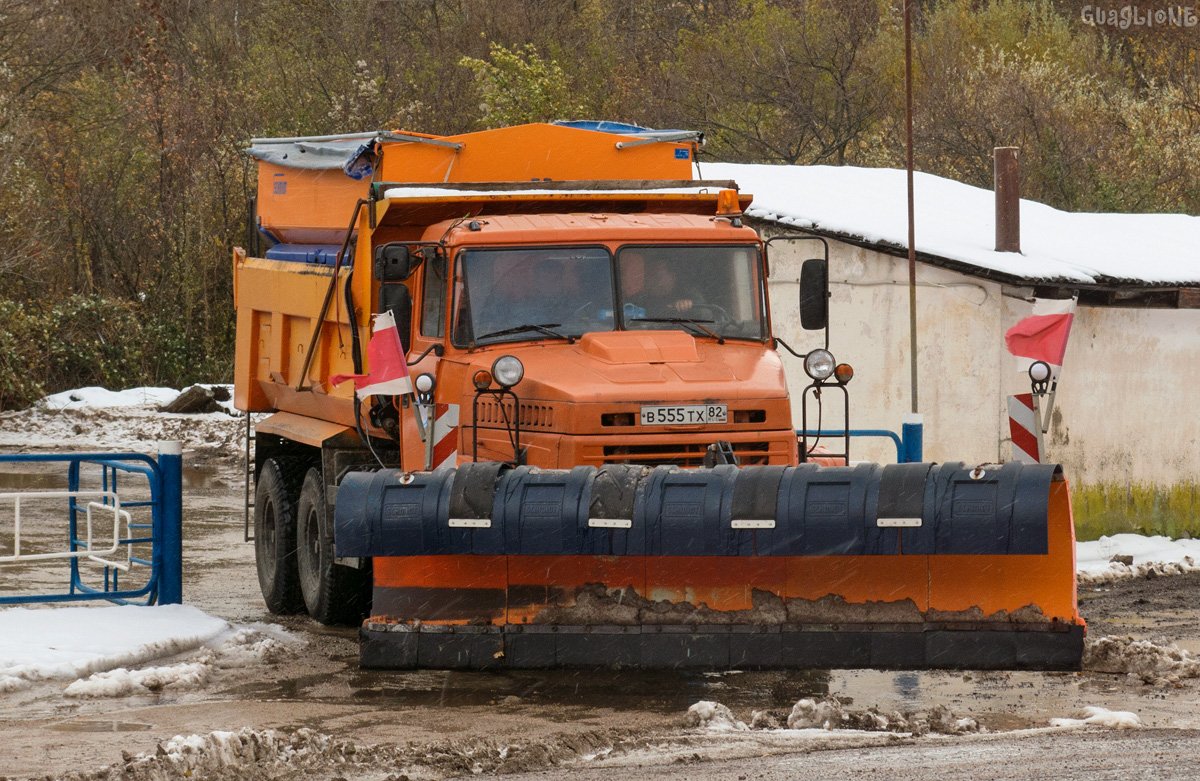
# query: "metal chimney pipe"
(1007, 185)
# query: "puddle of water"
(659, 691)
(33, 481)
(99, 726)
(50, 476)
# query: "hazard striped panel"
(1028, 446)
(445, 435)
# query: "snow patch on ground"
(99, 419)
(105, 646)
(1134, 555)
(102, 397)
(70, 642)
(831, 714)
(1150, 661)
(712, 715)
(1101, 717)
(243, 648)
(305, 753)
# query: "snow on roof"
(956, 222)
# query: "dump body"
(565, 519)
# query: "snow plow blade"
(904, 566)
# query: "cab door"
(428, 344)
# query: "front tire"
(275, 536)
(333, 593)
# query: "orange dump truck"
(597, 463)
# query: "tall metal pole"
(912, 232)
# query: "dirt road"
(576, 724)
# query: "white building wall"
(1127, 402)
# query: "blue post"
(912, 432)
(170, 574)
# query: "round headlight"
(508, 370)
(424, 382)
(1039, 371)
(819, 364)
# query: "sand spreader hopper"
(900, 566)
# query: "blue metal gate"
(160, 577)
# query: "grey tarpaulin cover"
(346, 154)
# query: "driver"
(652, 284)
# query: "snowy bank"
(107, 642)
(69, 642)
(1132, 555)
(99, 419)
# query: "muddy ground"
(385, 725)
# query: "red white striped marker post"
(1024, 424)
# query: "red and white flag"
(387, 369)
(1043, 335)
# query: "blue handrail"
(164, 479)
(908, 447)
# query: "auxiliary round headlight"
(482, 379)
(843, 373)
(819, 364)
(425, 382)
(1039, 371)
(508, 370)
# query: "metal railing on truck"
(159, 578)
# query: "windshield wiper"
(684, 321)
(543, 327)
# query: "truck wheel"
(275, 535)
(333, 593)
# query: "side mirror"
(394, 262)
(814, 295)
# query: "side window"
(433, 298)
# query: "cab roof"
(590, 227)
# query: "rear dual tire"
(333, 593)
(293, 542)
(275, 534)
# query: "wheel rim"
(312, 540)
(268, 528)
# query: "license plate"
(685, 414)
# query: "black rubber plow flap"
(899, 566)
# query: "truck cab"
(624, 340)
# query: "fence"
(89, 513)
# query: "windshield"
(510, 295)
(544, 293)
(701, 290)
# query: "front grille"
(491, 413)
(687, 454)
